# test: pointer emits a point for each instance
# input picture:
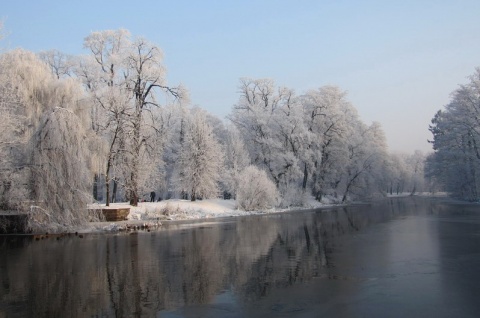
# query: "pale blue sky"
(398, 60)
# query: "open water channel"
(404, 257)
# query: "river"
(403, 257)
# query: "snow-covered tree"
(102, 74)
(171, 121)
(60, 171)
(12, 148)
(236, 160)
(366, 157)
(43, 141)
(270, 123)
(456, 142)
(201, 159)
(328, 123)
(61, 64)
(255, 190)
(27, 90)
(130, 69)
(314, 141)
(416, 165)
(396, 173)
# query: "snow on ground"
(153, 213)
(202, 209)
(421, 194)
(184, 209)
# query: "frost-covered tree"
(315, 141)
(432, 182)
(27, 90)
(343, 155)
(271, 125)
(40, 145)
(255, 190)
(60, 171)
(456, 142)
(12, 149)
(328, 123)
(236, 160)
(200, 162)
(61, 64)
(366, 157)
(405, 173)
(172, 121)
(146, 77)
(292, 135)
(130, 69)
(416, 165)
(102, 73)
(396, 175)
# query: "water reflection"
(228, 266)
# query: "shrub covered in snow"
(255, 191)
(293, 197)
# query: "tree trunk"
(114, 192)
(107, 190)
(349, 184)
(95, 186)
(137, 145)
(107, 179)
(133, 190)
(305, 177)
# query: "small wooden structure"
(115, 214)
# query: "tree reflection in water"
(140, 274)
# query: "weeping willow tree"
(43, 165)
(60, 172)
(27, 90)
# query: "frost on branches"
(200, 161)
(255, 191)
(455, 164)
(60, 174)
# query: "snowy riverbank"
(153, 214)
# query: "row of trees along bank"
(108, 120)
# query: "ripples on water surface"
(406, 257)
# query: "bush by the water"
(255, 190)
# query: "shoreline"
(148, 216)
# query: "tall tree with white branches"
(134, 70)
(200, 161)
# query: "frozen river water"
(404, 257)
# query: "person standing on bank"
(152, 196)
